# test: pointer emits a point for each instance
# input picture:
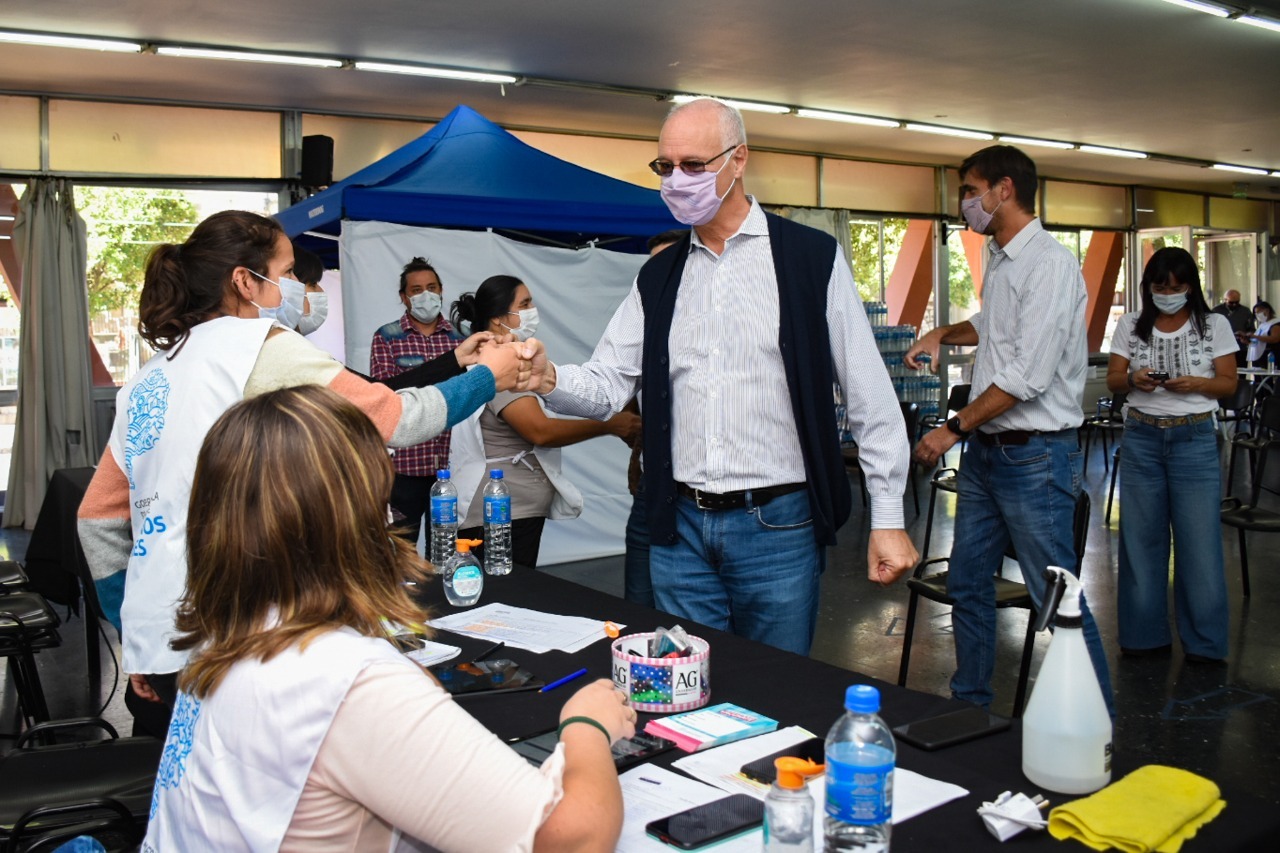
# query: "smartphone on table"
(626, 751)
(763, 770)
(951, 728)
(485, 676)
(712, 822)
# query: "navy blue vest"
(802, 259)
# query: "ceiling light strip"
(433, 71)
(77, 42)
(1114, 152)
(1244, 170)
(848, 118)
(1264, 23)
(1042, 143)
(744, 106)
(1207, 8)
(948, 131)
(248, 56)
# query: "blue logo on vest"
(148, 404)
(177, 747)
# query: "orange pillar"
(975, 245)
(1101, 268)
(911, 281)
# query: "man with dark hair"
(736, 336)
(420, 335)
(1020, 476)
(309, 269)
(1241, 320)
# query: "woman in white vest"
(514, 433)
(219, 309)
(1266, 337)
(298, 725)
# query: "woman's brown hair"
(287, 534)
(185, 283)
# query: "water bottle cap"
(862, 699)
(495, 474)
(442, 474)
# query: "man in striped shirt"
(735, 335)
(420, 335)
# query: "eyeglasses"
(1169, 287)
(664, 168)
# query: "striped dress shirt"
(732, 423)
(1032, 335)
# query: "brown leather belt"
(1167, 421)
(736, 500)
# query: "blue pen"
(553, 685)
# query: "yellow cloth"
(1154, 808)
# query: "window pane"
(124, 224)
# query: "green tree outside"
(124, 225)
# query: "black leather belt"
(736, 500)
(1014, 437)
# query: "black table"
(798, 691)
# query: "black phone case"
(709, 823)
(764, 770)
(951, 728)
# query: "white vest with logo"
(235, 763)
(162, 417)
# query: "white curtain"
(576, 293)
(54, 422)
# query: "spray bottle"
(789, 807)
(463, 580)
(1066, 730)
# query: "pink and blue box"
(662, 685)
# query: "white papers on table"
(913, 794)
(521, 628)
(650, 793)
(433, 653)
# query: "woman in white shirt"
(1266, 337)
(298, 725)
(1175, 359)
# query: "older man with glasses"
(735, 336)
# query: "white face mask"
(528, 324)
(319, 303)
(1169, 303)
(289, 311)
(1261, 318)
(425, 306)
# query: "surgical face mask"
(319, 303)
(425, 306)
(289, 311)
(978, 219)
(1232, 305)
(1260, 317)
(528, 324)
(692, 199)
(1169, 303)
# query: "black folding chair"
(1009, 593)
(50, 794)
(1251, 516)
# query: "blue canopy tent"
(467, 172)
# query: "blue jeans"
(753, 571)
(1169, 478)
(636, 583)
(1024, 494)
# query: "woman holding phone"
(291, 572)
(1175, 359)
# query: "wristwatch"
(953, 424)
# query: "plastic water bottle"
(444, 518)
(463, 580)
(497, 525)
(1271, 362)
(860, 759)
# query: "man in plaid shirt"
(421, 334)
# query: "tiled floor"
(1220, 721)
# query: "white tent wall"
(576, 293)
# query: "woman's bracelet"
(1130, 377)
(599, 725)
